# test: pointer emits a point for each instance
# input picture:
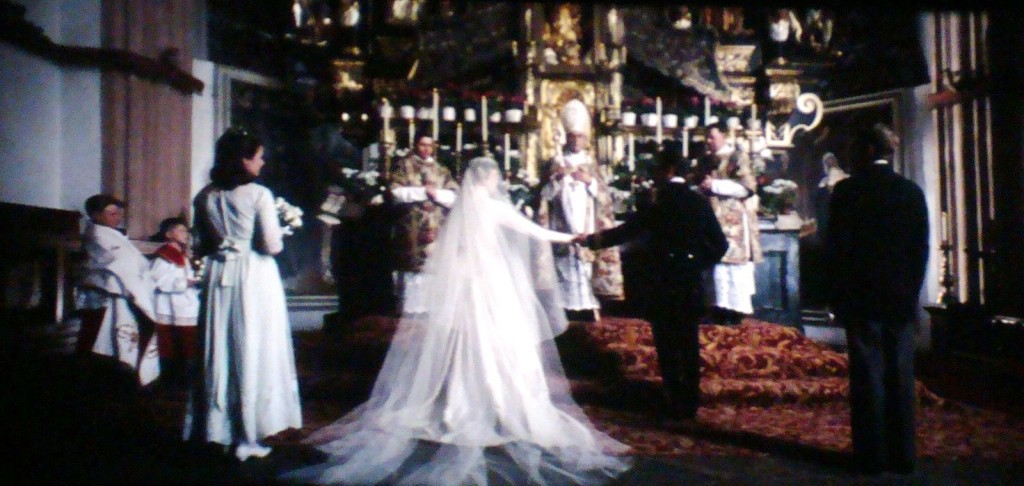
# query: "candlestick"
(753, 111)
(458, 137)
(434, 115)
(508, 155)
(483, 121)
(945, 227)
(385, 111)
(657, 111)
(629, 159)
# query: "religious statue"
(405, 11)
(349, 13)
(785, 31)
(681, 18)
(350, 25)
(727, 21)
(563, 34)
(616, 27)
(732, 22)
(819, 30)
(575, 198)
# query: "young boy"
(176, 299)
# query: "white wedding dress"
(472, 391)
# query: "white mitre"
(576, 118)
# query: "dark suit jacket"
(684, 236)
(876, 247)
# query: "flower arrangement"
(625, 186)
(522, 191)
(349, 196)
(778, 197)
(289, 215)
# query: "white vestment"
(177, 300)
(579, 202)
(116, 277)
(734, 282)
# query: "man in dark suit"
(683, 239)
(876, 249)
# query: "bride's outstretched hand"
(579, 239)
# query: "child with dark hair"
(176, 299)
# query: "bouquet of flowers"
(778, 197)
(289, 215)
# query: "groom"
(685, 240)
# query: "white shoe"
(245, 451)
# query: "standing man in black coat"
(876, 249)
(683, 240)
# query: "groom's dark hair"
(671, 160)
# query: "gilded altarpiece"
(587, 72)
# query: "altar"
(778, 276)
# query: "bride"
(472, 390)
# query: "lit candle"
(707, 110)
(458, 137)
(508, 153)
(412, 132)
(686, 143)
(657, 111)
(434, 115)
(753, 111)
(483, 120)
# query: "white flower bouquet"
(778, 197)
(289, 215)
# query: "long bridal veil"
(472, 391)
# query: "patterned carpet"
(764, 387)
(770, 395)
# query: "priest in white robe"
(575, 199)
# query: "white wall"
(922, 166)
(81, 122)
(203, 123)
(50, 142)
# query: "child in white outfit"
(176, 299)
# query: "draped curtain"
(146, 125)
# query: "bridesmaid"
(247, 388)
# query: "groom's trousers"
(881, 392)
(674, 313)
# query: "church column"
(147, 126)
